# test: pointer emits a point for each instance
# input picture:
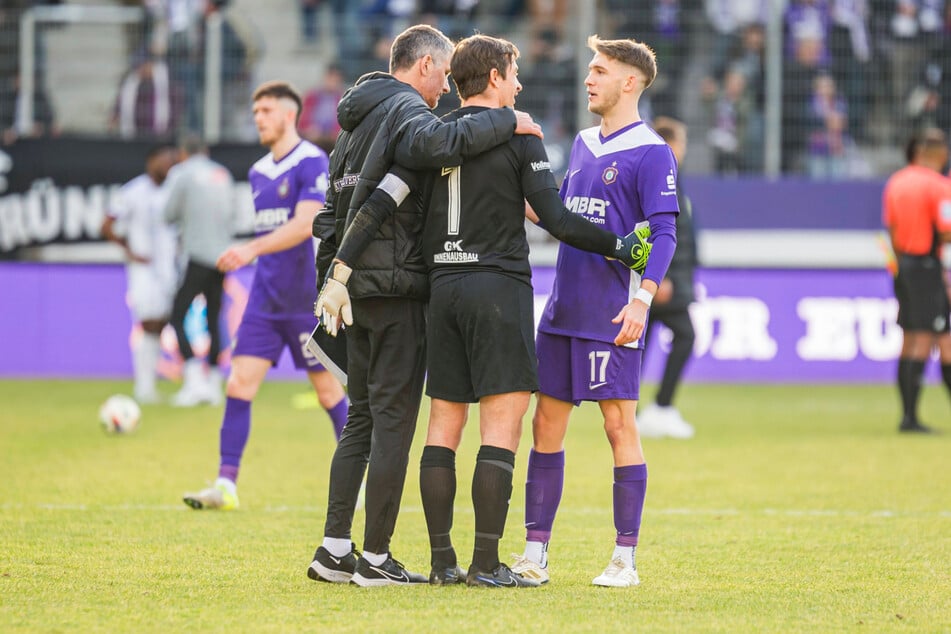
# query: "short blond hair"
(630, 52)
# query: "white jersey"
(137, 210)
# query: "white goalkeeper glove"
(333, 302)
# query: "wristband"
(644, 295)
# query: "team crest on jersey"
(284, 188)
(609, 175)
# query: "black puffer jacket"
(385, 120)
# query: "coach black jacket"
(383, 121)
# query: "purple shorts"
(265, 337)
(575, 370)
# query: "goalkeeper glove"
(333, 302)
(634, 249)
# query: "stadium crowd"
(858, 76)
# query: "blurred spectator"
(455, 18)
(177, 36)
(798, 74)
(241, 47)
(308, 19)
(549, 14)
(930, 103)
(912, 27)
(148, 104)
(318, 118)
(808, 19)
(850, 52)
(12, 102)
(749, 61)
(500, 17)
(381, 21)
(729, 19)
(12, 109)
(829, 143)
(547, 73)
(728, 135)
(351, 42)
(662, 26)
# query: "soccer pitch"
(795, 509)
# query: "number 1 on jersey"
(455, 198)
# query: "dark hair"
(669, 129)
(279, 90)
(630, 52)
(192, 143)
(157, 149)
(925, 141)
(416, 42)
(473, 60)
(911, 149)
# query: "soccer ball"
(120, 414)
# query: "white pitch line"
(464, 509)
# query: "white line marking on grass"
(463, 509)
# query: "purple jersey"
(285, 281)
(617, 182)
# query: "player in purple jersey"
(621, 175)
(289, 187)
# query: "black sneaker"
(501, 577)
(915, 427)
(446, 576)
(389, 573)
(326, 567)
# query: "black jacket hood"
(369, 91)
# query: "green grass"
(794, 509)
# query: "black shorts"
(480, 335)
(922, 294)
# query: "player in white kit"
(134, 221)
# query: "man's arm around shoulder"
(425, 141)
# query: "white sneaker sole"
(332, 576)
(363, 582)
(614, 582)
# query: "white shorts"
(151, 291)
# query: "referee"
(917, 213)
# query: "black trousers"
(386, 367)
(678, 320)
(199, 280)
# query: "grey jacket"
(201, 202)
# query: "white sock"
(337, 546)
(626, 553)
(227, 485)
(375, 559)
(145, 361)
(537, 552)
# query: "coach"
(387, 117)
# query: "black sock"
(491, 490)
(437, 487)
(910, 372)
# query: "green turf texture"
(794, 509)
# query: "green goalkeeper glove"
(634, 249)
(333, 302)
